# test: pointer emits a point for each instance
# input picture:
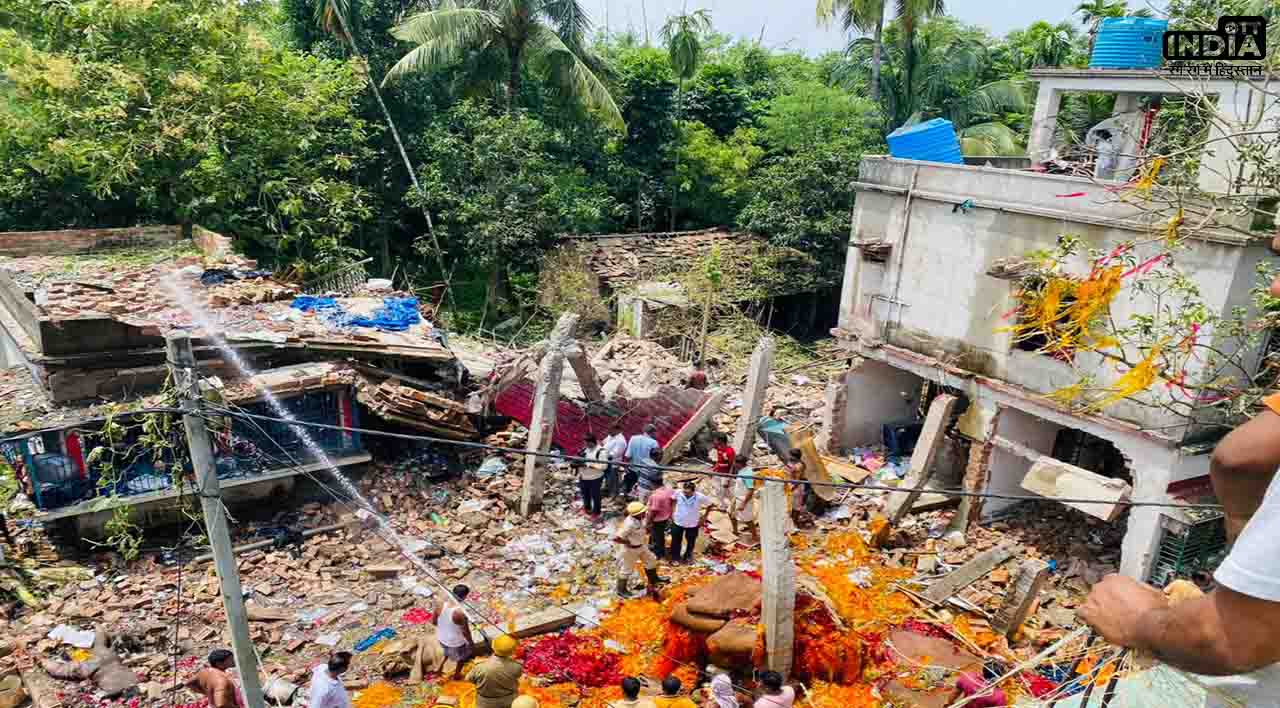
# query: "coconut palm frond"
(991, 140)
(574, 79)
(443, 37)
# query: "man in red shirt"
(724, 465)
(662, 503)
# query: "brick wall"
(211, 243)
(73, 241)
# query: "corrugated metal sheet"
(670, 409)
(1129, 43)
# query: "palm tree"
(953, 62)
(543, 34)
(861, 16)
(338, 17)
(683, 36)
(1093, 12)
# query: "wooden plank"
(1020, 596)
(967, 574)
(545, 621)
(845, 470)
(814, 469)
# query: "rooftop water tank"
(1128, 43)
(933, 140)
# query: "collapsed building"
(83, 316)
(933, 265)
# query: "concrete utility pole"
(744, 438)
(778, 607)
(182, 365)
(542, 428)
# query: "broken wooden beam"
(1020, 597)
(967, 574)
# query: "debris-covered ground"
(321, 577)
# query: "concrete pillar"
(1021, 594)
(753, 397)
(1137, 550)
(584, 372)
(778, 579)
(932, 433)
(1044, 123)
(1125, 103)
(542, 427)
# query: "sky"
(791, 24)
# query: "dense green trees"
(117, 112)
(504, 124)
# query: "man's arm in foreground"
(1242, 467)
(1220, 634)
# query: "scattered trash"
(329, 640)
(492, 467)
(378, 636)
(861, 577)
(82, 639)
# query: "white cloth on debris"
(1253, 568)
(326, 691)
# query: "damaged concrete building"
(82, 319)
(924, 301)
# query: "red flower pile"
(572, 657)
(417, 615)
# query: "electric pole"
(182, 365)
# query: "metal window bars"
(344, 281)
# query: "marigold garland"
(464, 691)
(378, 695)
(829, 695)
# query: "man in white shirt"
(616, 447)
(326, 689)
(691, 509)
(1228, 636)
(590, 476)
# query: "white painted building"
(917, 305)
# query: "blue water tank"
(1129, 43)
(933, 140)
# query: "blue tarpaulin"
(396, 314)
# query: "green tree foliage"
(713, 174)
(802, 195)
(117, 112)
(545, 35)
(502, 186)
(955, 78)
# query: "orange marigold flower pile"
(378, 695)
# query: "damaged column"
(542, 427)
(778, 578)
(753, 397)
(931, 436)
(1020, 597)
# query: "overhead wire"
(466, 444)
(349, 503)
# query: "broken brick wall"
(72, 241)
